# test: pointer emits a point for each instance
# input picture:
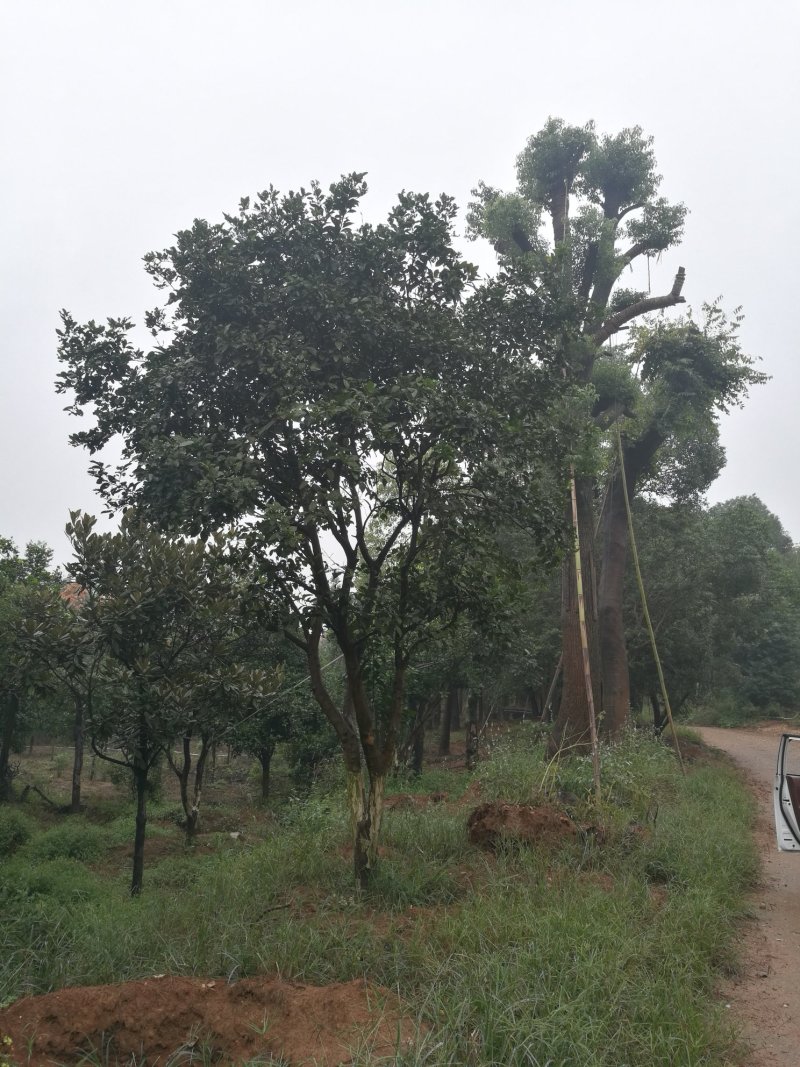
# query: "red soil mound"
(157, 1017)
(490, 824)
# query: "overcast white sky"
(121, 122)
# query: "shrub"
(15, 829)
(63, 880)
(75, 840)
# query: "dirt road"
(766, 999)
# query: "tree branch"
(642, 307)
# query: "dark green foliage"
(724, 585)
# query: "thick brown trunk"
(614, 655)
(77, 762)
(571, 732)
(638, 455)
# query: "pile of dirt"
(157, 1017)
(490, 824)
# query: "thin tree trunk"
(455, 719)
(418, 741)
(571, 732)
(140, 778)
(265, 759)
(445, 725)
(193, 819)
(77, 762)
(10, 712)
(183, 771)
(658, 715)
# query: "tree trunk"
(10, 712)
(418, 740)
(140, 778)
(614, 654)
(365, 850)
(455, 719)
(571, 732)
(659, 719)
(77, 762)
(265, 759)
(638, 455)
(448, 711)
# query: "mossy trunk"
(366, 812)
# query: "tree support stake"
(643, 596)
(587, 671)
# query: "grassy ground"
(603, 951)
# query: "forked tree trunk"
(77, 762)
(571, 732)
(191, 803)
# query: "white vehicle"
(787, 794)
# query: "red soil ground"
(159, 1016)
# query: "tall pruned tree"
(338, 391)
(599, 198)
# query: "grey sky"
(121, 122)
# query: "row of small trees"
(383, 443)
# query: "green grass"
(602, 954)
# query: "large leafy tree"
(334, 389)
(599, 197)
